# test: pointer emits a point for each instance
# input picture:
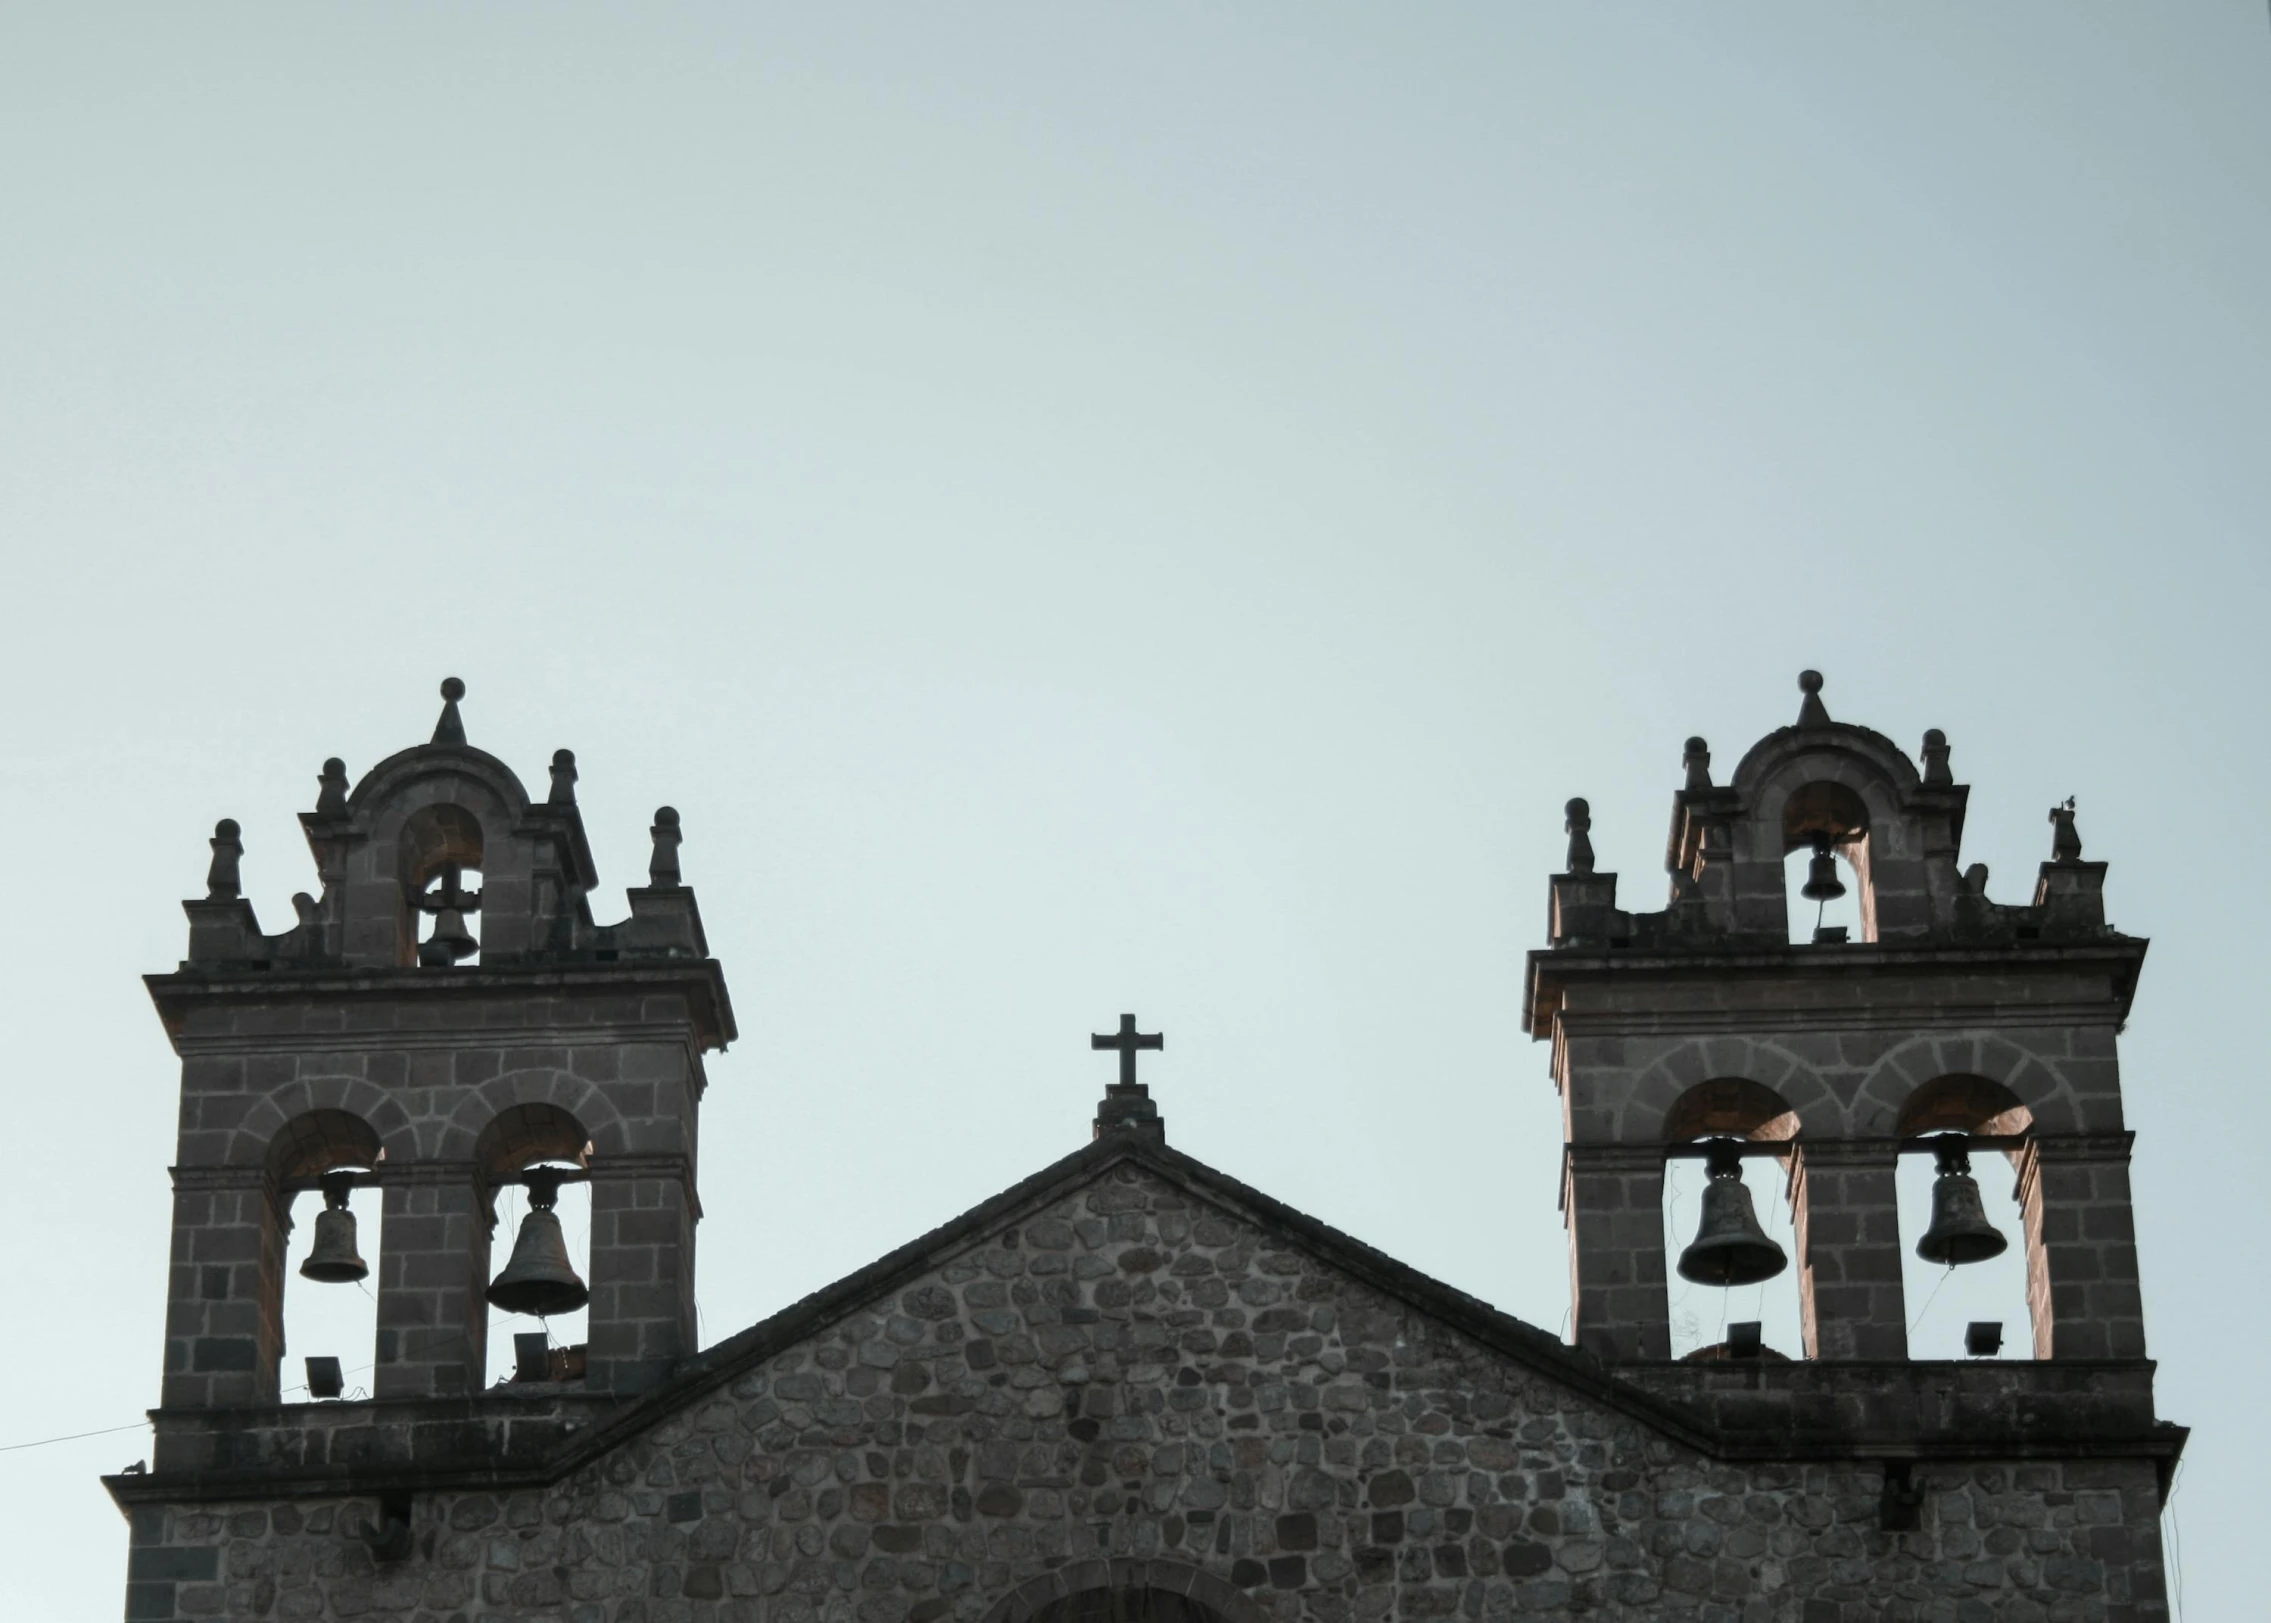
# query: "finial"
(1580, 829)
(662, 867)
(1975, 879)
(563, 778)
(1697, 760)
(2065, 840)
(451, 728)
(221, 883)
(1936, 757)
(1812, 713)
(1126, 1105)
(331, 788)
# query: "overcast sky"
(1088, 509)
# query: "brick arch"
(1029, 1599)
(581, 1099)
(1894, 1079)
(1710, 1059)
(353, 1095)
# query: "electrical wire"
(10, 1448)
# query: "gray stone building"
(1132, 1387)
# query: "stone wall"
(1134, 1373)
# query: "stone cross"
(1127, 1040)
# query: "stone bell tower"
(1951, 1015)
(518, 1032)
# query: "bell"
(540, 1280)
(1959, 1231)
(1729, 1247)
(1822, 883)
(450, 941)
(332, 1260)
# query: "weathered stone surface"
(1134, 1374)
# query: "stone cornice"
(702, 981)
(1865, 967)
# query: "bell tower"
(444, 1019)
(1977, 1032)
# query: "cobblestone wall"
(1134, 1374)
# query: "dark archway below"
(1117, 1605)
(1126, 1590)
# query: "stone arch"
(526, 1134)
(314, 1143)
(435, 835)
(1963, 1104)
(1126, 1591)
(2048, 1098)
(1698, 1060)
(1730, 1107)
(580, 1100)
(354, 1096)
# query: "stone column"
(433, 1318)
(2082, 1286)
(1612, 1200)
(225, 1298)
(1850, 1299)
(643, 1213)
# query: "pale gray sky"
(1087, 509)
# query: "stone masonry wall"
(1133, 1373)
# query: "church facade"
(1132, 1388)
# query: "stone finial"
(331, 789)
(563, 779)
(662, 867)
(1936, 757)
(451, 728)
(221, 881)
(1579, 825)
(1812, 712)
(1975, 879)
(1697, 760)
(2065, 839)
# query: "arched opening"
(1703, 1314)
(1156, 1589)
(1945, 1299)
(441, 874)
(1128, 1605)
(525, 1139)
(329, 1311)
(1827, 821)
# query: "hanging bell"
(333, 1260)
(1729, 1247)
(1822, 883)
(450, 941)
(540, 1280)
(1959, 1231)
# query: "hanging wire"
(1929, 1300)
(10, 1448)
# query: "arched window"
(329, 1310)
(441, 874)
(1827, 821)
(1737, 1110)
(517, 1141)
(1946, 1299)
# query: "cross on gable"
(1127, 1040)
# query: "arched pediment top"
(394, 785)
(1859, 757)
